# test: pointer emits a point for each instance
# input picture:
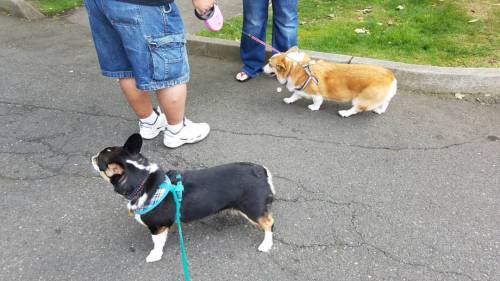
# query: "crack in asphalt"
(51, 152)
(301, 198)
(22, 153)
(297, 183)
(415, 264)
(369, 147)
(31, 107)
(336, 244)
(288, 270)
(397, 259)
(395, 149)
(177, 160)
(288, 200)
(364, 243)
(328, 201)
(4, 177)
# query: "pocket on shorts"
(168, 55)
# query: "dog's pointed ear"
(293, 49)
(133, 144)
(280, 66)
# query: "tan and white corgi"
(369, 88)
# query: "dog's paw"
(313, 107)
(265, 247)
(344, 113)
(154, 256)
(289, 100)
(379, 110)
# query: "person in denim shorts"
(142, 44)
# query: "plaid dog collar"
(160, 194)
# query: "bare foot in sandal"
(242, 77)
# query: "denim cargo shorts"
(140, 41)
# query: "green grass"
(54, 7)
(424, 32)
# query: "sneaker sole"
(182, 142)
(151, 136)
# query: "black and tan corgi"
(244, 187)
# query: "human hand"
(203, 6)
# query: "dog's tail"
(270, 180)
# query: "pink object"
(213, 20)
(216, 21)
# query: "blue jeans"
(255, 21)
(140, 41)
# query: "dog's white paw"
(265, 246)
(154, 256)
(344, 113)
(288, 100)
(313, 107)
(381, 109)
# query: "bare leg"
(159, 240)
(139, 101)
(173, 103)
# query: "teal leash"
(177, 192)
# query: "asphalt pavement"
(412, 194)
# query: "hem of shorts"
(118, 74)
(158, 85)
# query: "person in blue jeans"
(284, 35)
(142, 44)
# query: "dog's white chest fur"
(140, 203)
(138, 219)
(293, 89)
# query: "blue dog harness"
(160, 194)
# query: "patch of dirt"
(479, 9)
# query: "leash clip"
(179, 187)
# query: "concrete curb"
(430, 79)
(21, 8)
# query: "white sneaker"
(149, 131)
(190, 133)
